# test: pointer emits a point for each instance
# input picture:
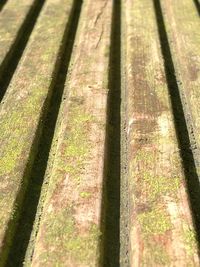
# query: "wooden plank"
(183, 33)
(161, 231)
(23, 110)
(12, 19)
(2, 3)
(70, 227)
(197, 4)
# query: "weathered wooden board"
(12, 19)
(160, 77)
(70, 227)
(2, 3)
(161, 231)
(23, 109)
(182, 25)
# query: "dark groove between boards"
(13, 57)
(111, 190)
(182, 126)
(2, 3)
(197, 4)
(124, 180)
(32, 195)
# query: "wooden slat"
(2, 3)
(12, 18)
(24, 107)
(70, 228)
(182, 24)
(161, 231)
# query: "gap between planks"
(11, 60)
(32, 196)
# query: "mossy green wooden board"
(22, 111)
(70, 228)
(160, 229)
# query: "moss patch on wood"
(153, 222)
(76, 148)
(81, 248)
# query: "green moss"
(143, 155)
(84, 248)
(160, 256)
(7, 162)
(154, 222)
(16, 127)
(85, 194)
(76, 146)
(156, 253)
(81, 248)
(158, 186)
(190, 240)
(155, 186)
(11, 147)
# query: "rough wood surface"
(70, 228)
(70, 163)
(161, 229)
(22, 111)
(184, 36)
(12, 18)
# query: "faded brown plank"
(70, 226)
(184, 35)
(161, 230)
(12, 18)
(23, 109)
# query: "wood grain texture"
(161, 228)
(70, 228)
(12, 18)
(86, 119)
(22, 111)
(182, 25)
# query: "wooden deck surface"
(99, 133)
